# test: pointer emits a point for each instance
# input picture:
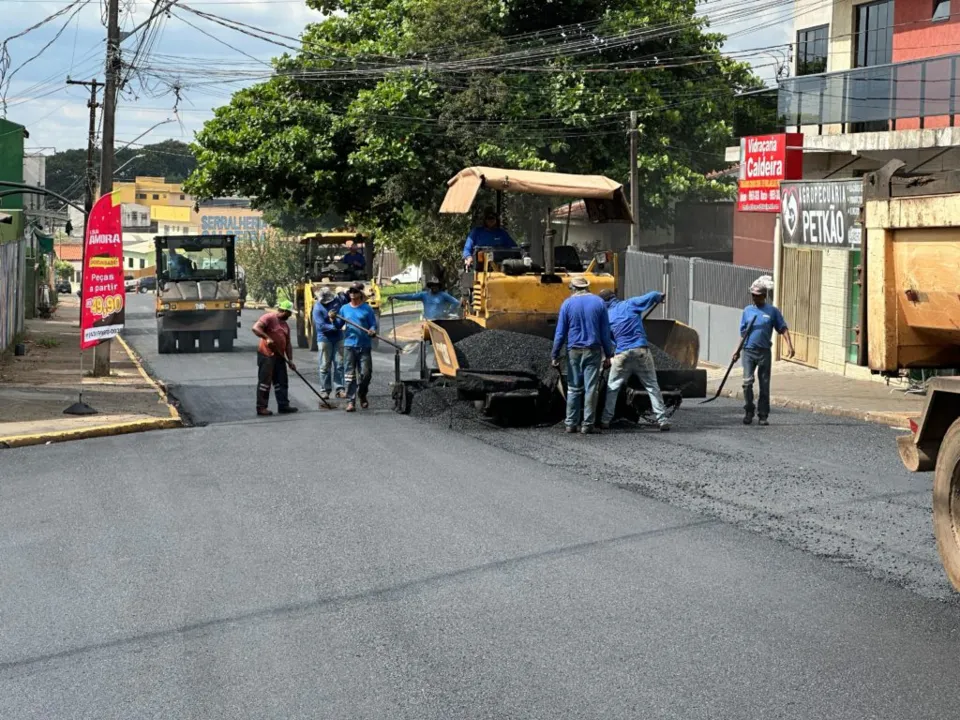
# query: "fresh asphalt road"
(222, 387)
(327, 565)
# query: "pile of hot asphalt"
(503, 351)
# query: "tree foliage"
(390, 98)
(64, 269)
(170, 159)
(271, 264)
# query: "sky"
(190, 49)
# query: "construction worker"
(274, 334)
(357, 347)
(490, 234)
(178, 266)
(757, 356)
(633, 357)
(354, 260)
(329, 331)
(584, 328)
(437, 303)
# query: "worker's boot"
(586, 430)
(288, 410)
(747, 418)
(571, 430)
(351, 407)
(264, 412)
(763, 421)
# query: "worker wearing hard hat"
(437, 303)
(584, 329)
(633, 357)
(757, 356)
(273, 355)
(489, 234)
(329, 331)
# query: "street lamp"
(135, 157)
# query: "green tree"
(272, 264)
(390, 98)
(170, 159)
(64, 269)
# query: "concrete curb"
(893, 419)
(136, 426)
(124, 428)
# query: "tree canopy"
(170, 159)
(388, 99)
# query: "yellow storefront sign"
(170, 214)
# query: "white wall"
(34, 173)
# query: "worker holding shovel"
(757, 324)
(361, 328)
(274, 334)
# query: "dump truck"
(198, 301)
(322, 267)
(508, 289)
(911, 320)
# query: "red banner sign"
(102, 314)
(765, 160)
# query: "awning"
(605, 198)
(44, 241)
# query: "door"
(801, 274)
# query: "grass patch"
(47, 343)
(390, 290)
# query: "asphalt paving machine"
(508, 290)
(198, 300)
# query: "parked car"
(64, 287)
(148, 283)
(410, 274)
(130, 284)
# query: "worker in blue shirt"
(757, 357)
(329, 331)
(179, 266)
(360, 330)
(633, 355)
(437, 303)
(584, 328)
(490, 234)
(354, 259)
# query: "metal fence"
(705, 294)
(678, 288)
(11, 292)
(723, 284)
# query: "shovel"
(323, 402)
(733, 360)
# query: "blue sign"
(245, 227)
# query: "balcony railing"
(875, 97)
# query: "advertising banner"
(765, 160)
(821, 213)
(103, 294)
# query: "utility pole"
(634, 181)
(101, 361)
(91, 144)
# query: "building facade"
(871, 82)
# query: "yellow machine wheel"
(946, 503)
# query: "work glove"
(606, 363)
(556, 363)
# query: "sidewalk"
(797, 386)
(36, 388)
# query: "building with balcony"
(870, 82)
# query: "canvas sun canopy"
(604, 198)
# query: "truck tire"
(302, 341)
(226, 341)
(166, 343)
(946, 503)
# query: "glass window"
(941, 10)
(874, 33)
(156, 197)
(143, 263)
(812, 50)
(129, 262)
